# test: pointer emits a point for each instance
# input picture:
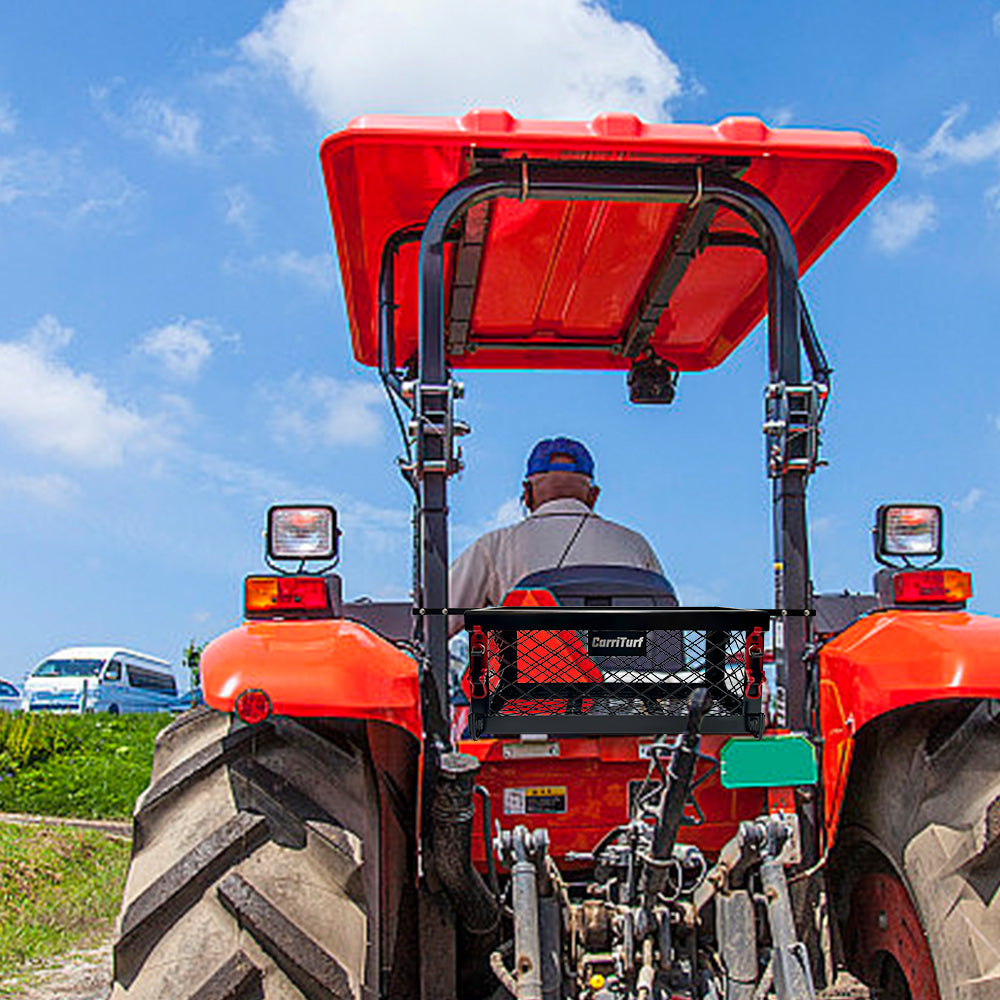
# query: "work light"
(908, 531)
(295, 532)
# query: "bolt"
(883, 921)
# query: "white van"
(100, 679)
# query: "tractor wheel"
(263, 865)
(916, 870)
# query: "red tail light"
(932, 586)
(253, 706)
(286, 597)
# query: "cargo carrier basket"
(614, 671)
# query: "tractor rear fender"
(337, 668)
(891, 660)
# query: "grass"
(59, 889)
(88, 766)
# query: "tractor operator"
(561, 529)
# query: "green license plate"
(770, 762)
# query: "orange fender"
(335, 668)
(891, 660)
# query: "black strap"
(576, 535)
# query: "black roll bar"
(606, 181)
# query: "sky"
(173, 345)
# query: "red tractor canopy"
(557, 284)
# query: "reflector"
(253, 706)
(532, 598)
(932, 586)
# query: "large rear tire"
(922, 819)
(270, 862)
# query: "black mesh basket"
(614, 671)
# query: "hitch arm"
(671, 808)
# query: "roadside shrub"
(88, 766)
(29, 738)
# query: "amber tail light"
(932, 586)
(286, 597)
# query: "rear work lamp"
(908, 531)
(300, 532)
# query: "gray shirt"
(493, 564)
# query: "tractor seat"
(603, 587)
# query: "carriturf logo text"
(624, 643)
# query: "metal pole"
(431, 411)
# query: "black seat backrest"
(604, 587)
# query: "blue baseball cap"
(560, 455)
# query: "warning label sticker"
(528, 801)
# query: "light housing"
(931, 586)
(908, 531)
(301, 532)
(287, 597)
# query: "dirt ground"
(81, 975)
(86, 975)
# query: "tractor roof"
(548, 275)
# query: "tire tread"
(316, 972)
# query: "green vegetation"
(88, 766)
(191, 658)
(59, 889)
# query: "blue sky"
(173, 353)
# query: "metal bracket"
(792, 427)
(790, 958)
(434, 417)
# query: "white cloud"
(992, 197)
(65, 186)
(29, 174)
(320, 410)
(509, 512)
(996, 24)
(781, 117)
(946, 148)
(239, 208)
(558, 59)
(50, 489)
(8, 116)
(316, 272)
(375, 530)
(970, 500)
(239, 478)
(47, 407)
(48, 336)
(896, 224)
(167, 128)
(183, 347)
(174, 132)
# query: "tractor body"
(615, 803)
